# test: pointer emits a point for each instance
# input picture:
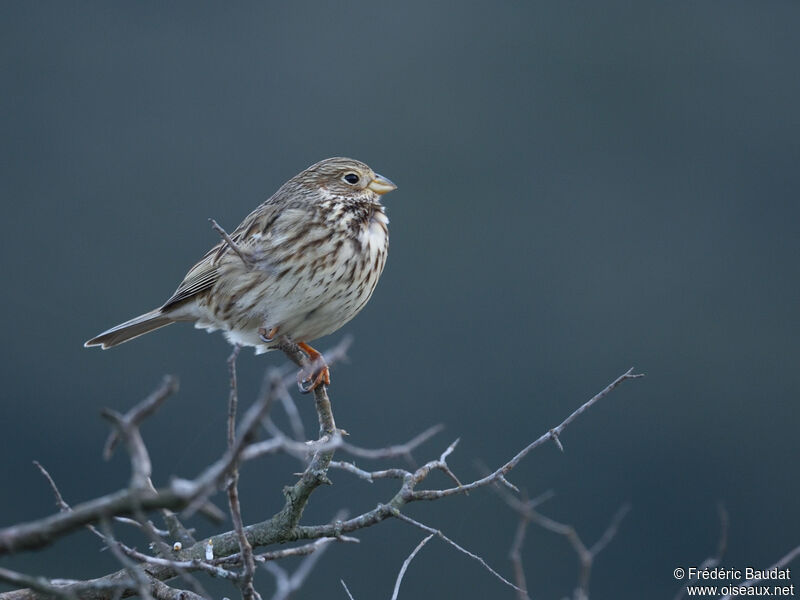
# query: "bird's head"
(344, 177)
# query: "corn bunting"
(301, 265)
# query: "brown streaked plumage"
(311, 256)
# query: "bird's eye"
(351, 178)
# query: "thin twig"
(407, 562)
(288, 584)
(62, 506)
(780, 564)
(586, 556)
(245, 549)
(177, 565)
(555, 431)
(148, 406)
(231, 244)
(135, 573)
(442, 536)
(303, 550)
(611, 530)
(370, 476)
(716, 559)
(161, 548)
(515, 554)
(393, 451)
(344, 585)
(288, 404)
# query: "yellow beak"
(381, 185)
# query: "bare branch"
(141, 468)
(245, 549)
(138, 525)
(36, 534)
(370, 476)
(230, 548)
(610, 531)
(233, 396)
(158, 545)
(407, 562)
(148, 406)
(711, 561)
(323, 404)
(396, 450)
(555, 431)
(408, 494)
(303, 550)
(508, 484)
(105, 587)
(127, 427)
(785, 560)
(287, 584)
(515, 554)
(281, 443)
(136, 573)
(219, 471)
(344, 585)
(175, 528)
(442, 536)
(38, 584)
(780, 564)
(62, 506)
(179, 494)
(722, 545)
(290, 408)
(586, 556)
(161, 591)
(188, 565)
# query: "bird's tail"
(130, 329)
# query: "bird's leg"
(320, 373)
(267, 336)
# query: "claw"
(304, 384)
(308, 382)
(267, 336)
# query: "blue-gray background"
(583, 187)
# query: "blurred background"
(583, 187)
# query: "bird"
(300, 266)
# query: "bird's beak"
(381, 185)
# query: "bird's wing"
(200, 277)
(205, 273)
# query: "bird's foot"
(267, 336)
(319, 373)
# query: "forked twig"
(442, 536)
